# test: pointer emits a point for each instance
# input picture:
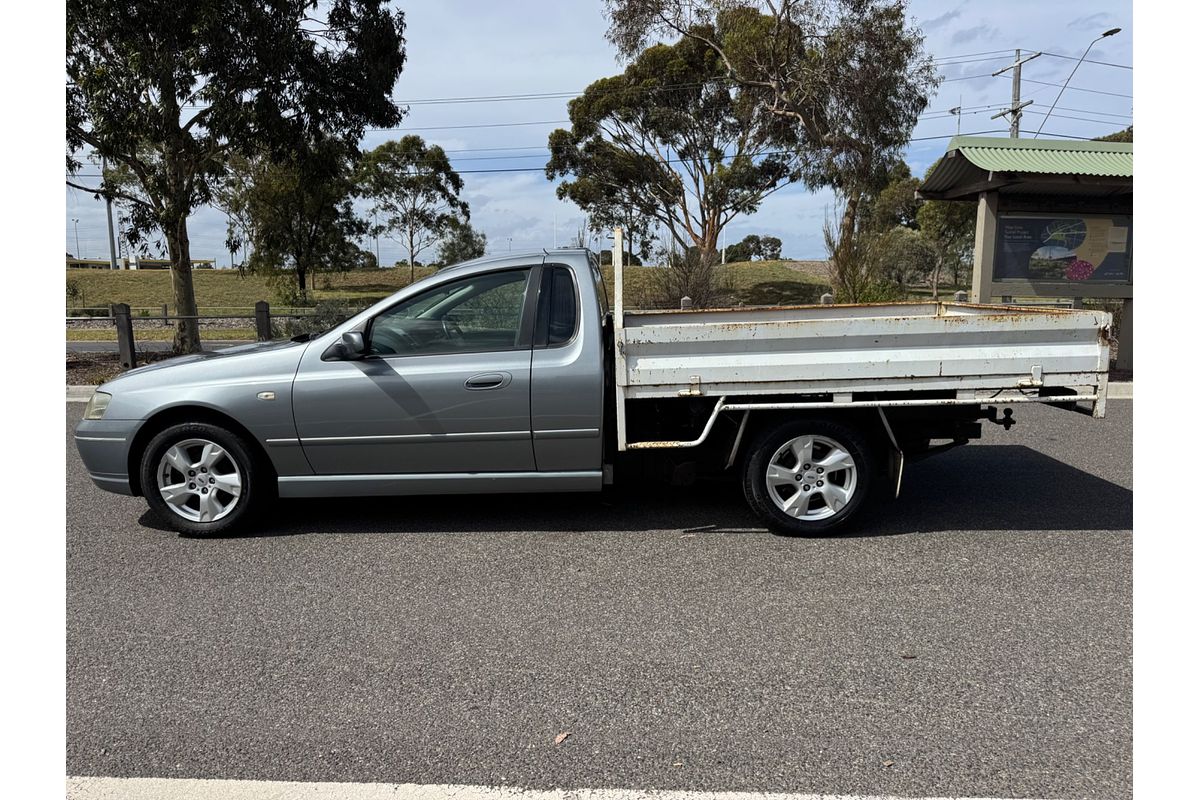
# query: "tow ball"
(1006, 420)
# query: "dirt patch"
(94, 368)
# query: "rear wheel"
(200, 479)
(807, 476)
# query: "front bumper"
(103, 445)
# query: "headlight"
(97, 405)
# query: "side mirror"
(353, 346)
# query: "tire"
(819, 500)
(211, 473)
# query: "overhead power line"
(967, 78)
(1088, 60)
(679, 160)
(1078, 89)
(1086, 111)
(968, 61)
(971, 55)
(461, 127)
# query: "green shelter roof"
(974, 164)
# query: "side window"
(558, 309)
(476, 313)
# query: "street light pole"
(1106, 34)
(78, 254)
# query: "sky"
(465, 48)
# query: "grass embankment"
(751, 283)
(227, 289)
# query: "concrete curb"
(1120, 390)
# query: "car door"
(443, 387)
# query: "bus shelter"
(1054, 221)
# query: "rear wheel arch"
(864, 421)
(176, 415)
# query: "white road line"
(96, 788)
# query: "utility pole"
(112, 244)
(1014, 123)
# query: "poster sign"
(1054, 248)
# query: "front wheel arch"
(176, 415)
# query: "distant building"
(135, 262)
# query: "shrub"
(326, 314)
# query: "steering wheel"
(451, 329)
(394, 340)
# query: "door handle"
(488, 380)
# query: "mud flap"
(895, 470)
(896, 455)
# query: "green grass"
(159, 334)
(751, 283)
(226, 288)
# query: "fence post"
(262, 320)
(960, 296)
(685, 303)
(125, 346)
(827, 299)
(164, 315)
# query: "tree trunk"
(843, 257)
(301, 276)
(849, 217)
(937, 273)
(187, 331)
(412, 259)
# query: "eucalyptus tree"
(461, 243)
(164, 91)
(414, 191)
(851, 77)
(669, 140)
(295, 211)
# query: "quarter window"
(562, 307)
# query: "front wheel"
(200, 479)
(807, 476)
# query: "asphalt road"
(976, 634)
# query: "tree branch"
(110, 193)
